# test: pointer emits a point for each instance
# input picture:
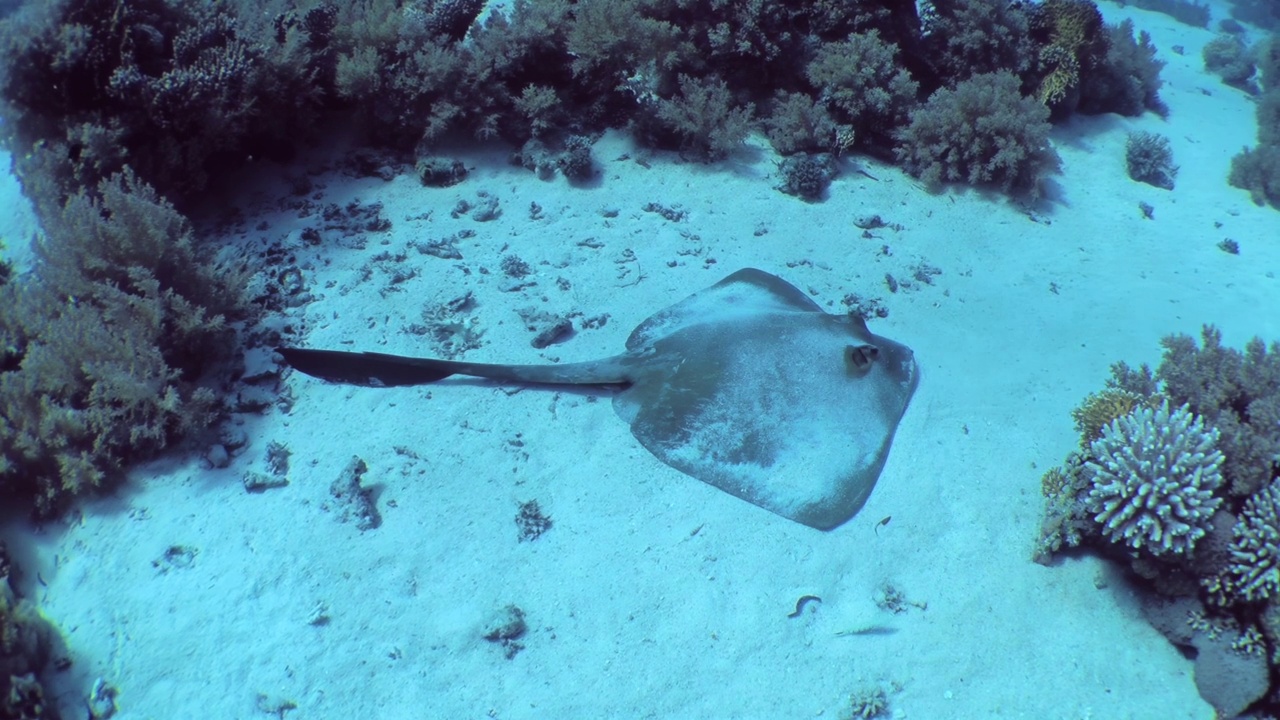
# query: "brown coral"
(24, 646)
(1099, 409)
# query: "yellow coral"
(1064, 76)
(1052, 482)
(1073, 22)
(1099, 409)
(1072, 30)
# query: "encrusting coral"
(1154, 473)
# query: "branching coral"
(704, 119)
(861, 81)
(178, 89)
(1100, 409)
(981, 131)
(1128, 81)
(1255, 546)
(1154, 473)
(1072, 42)
(106, 343)
(968, 37)
(1149, 159)
(1238, 393)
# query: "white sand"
(655, 595)
(18, 224)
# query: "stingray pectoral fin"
(367, 368)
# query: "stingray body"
(747, 385)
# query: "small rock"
(256, 482)
(217, 456)
(356, 502)
(869, 222)
(506, 630)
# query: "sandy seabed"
(653, 594)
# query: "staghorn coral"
(1154, 473)
(1063, 74)
(1053, 482)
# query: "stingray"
(747, 386)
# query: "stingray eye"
(860, 357)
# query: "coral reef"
(1237, 393)
(1072, 43)
(1083, 65)
(1268, 115)
(969, 37)
(1128, 80)
(1153, 477)
(807, 176)
(863, 85)
(1254, 572)
(24, 650)
(982, 132)
(1263, 13)
(1230, 673)
(107, 345)
(798, 123)
(184, 91)
(1149, 159)
(1258, 171)
(703, 120)
(1101, 408)
(1188, 12)
(1198, 527)
(1230, 59)
(180, 89)
(1066, 523)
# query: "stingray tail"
(366, 368)
(382, 370)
